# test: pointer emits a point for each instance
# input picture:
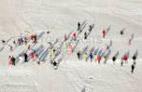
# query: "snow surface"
(60, 17)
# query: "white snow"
(60, 17)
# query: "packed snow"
(23, 18)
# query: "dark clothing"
(54, 63)
(91, 56)
(85, 35)
(121, 32)
(38, 62)
(79, 25)
(13, 60)
(122, 63)
(14, 42)
(3, 41)
(25, 57)
(48, 32)
(134, 57)
(79, 55)
(91, 27)
(113, 59)
(132, 68)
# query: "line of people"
(101, 55)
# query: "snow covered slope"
(60, 17)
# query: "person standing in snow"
(55, 65)
(85, 35)
(91, 27)
(52, 55)
(48, 32)
(9, 61)
(115, 57)
(3, 41)
(106, 56)
(103, 33)
(65, 37)
(133, 67)
(134, 57)
(98, 59)
(74, 35)
(78, 26)
(122, 31)
(25, 57)
(34, 38)
(37, 60)
(124, 58)
(91, 56)
(79, 55)
(85, 56)
(33, 55)
(12, 60)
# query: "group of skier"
(23, 57)
(101, 54)
(93, 54)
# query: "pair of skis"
(44, 54)
(83, 25)
(90, 30)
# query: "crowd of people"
(102, 55)
(23, 57)
(87, 54)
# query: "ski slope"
(19, 17)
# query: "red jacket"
(125, 57)
(104, 33)
(99, 58)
